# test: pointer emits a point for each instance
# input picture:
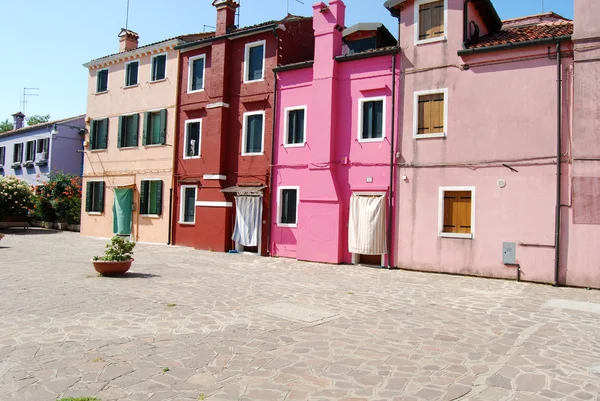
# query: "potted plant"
(117, 257)
(1, 236)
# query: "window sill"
(253, 81)
(15, 165)
(151, 216)
(155, 145)
(95, 213)
(127, 147)
(434, 40)
(253, 154)
(371, 140)
(456, 235)
(191, 157)
(195, 91)
(429, 136)
(183, 223)
(131, 86)
(101, 93)
(287, 225)
(294, 145)
(98, 150)
(157, 81)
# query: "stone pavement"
(193, 325)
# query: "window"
(159, 67)
(253, 133)
(151, 197)
(17, 153)
(287, 205)
(128, 131)
(193, 137)
(371, 119)
(254, 61)
(30, 151)
(102, 81)
(187, 213)
(430, 114)
(42, 148)
(131, 73)
(196, 73)
(94, 197)
(457, 212)
(295, 124)
(431, 20)
(2, 155)
(155, 128)
(99, 134)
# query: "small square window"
(430, 114)
(254, 61)
(193, 136)
(159, 67)
(456, 206)
(431, 20)
(94, 197)
(151, 197)
(102, 81)
(371, 119)
(288, 206)
(188, 204)
(254, 130)
(131, 73)
(196, 73)
(295, 126)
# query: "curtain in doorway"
(366, 227)
(248, 214)
(122, 211)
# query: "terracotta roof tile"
(521, 34)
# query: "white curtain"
(367, 225)
(248, 213)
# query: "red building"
(225, 130)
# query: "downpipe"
(557, 218)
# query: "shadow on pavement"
(133, 275)
(30, 231)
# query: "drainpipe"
(466, 21)
(170, 214)
(392, 155)
(269, 217)
(558, 162)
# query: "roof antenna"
(127, 17)
(237, 13)
(288, 5)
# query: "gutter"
(245, 32)
(510, 46)
(175, 153)
(557, 219)
(295, 66)
(363, 55)
(271, 197)
(392, 164)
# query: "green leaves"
(119, 250)
(38, 119)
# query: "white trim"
(94, 213)
(279, 193)
(166, 54)
(182, 204)
(138, 74)
(190, 64)
(218, 104)
(185, 137)
(285, 126)
(214, 177)
(418, 94)
(213, 204)
(248, 46)
(363, 100)
(444, 37)
(107, 79)
(87, 194)
(441, 232)
(262, 146)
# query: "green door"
(122, 211)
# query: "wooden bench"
(13, 224)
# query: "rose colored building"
(131, 119)
(491, 112)
(224, 130)
(334, 136)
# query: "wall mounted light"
(80, 131)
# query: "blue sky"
(46, 42)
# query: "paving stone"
(499, 381)
(530, 382)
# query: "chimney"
(328, 24)
(128, 40)
(19, 120)
(225, 15)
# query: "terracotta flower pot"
(112, 268)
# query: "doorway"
(367, 228)
(247, 231)
(122, 211)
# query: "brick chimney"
(225, 15)
(128, 40)
(18, 120)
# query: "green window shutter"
(159, 192)
(136, 129)
(103, 135)
(147, 117)
(101, 197)
(163, 126)
(143, 197)
(92, 134)
(88, 196)
(121, 129)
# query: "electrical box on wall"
(509, 253)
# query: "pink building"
(334, 134)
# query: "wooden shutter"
(163, 127)
(103, 135)
(122, 128)
(425, 21)
(457, 212)
(88, 196)
(437, 113)
(424, 123)
(135, 129)
(147, 125)
(101, 187)
(93, 134)
(159, 195)
(144, 197)
(437, 19)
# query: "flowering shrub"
(16, 197)
(59, 199)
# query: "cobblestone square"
(193, 325)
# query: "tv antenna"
(27, 93)
(127, 16)
(288, 5)
(237, 13)
(208, 26)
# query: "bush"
(59, 199)
(119, 250)
(16, 197)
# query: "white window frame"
(279, 205)
(26, 158)
(21, 145)
(190, 70)
(244, 126)
(418, 94)
(152, 66)
(361, 102)
(444, 37)
(107, 80)
(182, 204)
(156, 216)
(248, 46)
(86, 195)
(441, 232)
(287, 111)
(125, 78)
(185, 143)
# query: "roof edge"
(42, 125)
(509, 46)
(259, 29)
(367, 54)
